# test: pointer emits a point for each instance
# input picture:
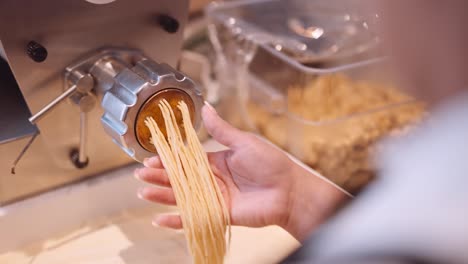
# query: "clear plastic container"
(306, 30)
(330, 110)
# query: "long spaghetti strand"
(204, 214)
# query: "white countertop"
(101, 221)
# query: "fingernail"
(210, 107)
(140, 193)
(147, 161)
(155, 224)
(136, 173)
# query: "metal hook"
(23, 151)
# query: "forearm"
(313, 202)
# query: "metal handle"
(79, 156)
(82, 157)
(81, 82)
(80, 93)
(23, 151)
(46, 109)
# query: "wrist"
(313, 201)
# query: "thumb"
(219, 129)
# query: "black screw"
(168, 23)
(36, 51)
(75, 158)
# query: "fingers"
(157, 195)
(219, 129)
(153, 162)
(168, 220)
(153, 176)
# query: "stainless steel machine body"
(104, 61)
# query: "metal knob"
(135, 96)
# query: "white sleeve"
(418, 208)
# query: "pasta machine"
(81, 76)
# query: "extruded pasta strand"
(205, 216)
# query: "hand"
(260, 184)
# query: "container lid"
(306, 30)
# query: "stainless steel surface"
(105, 69)
(87, 103)
(69, 31)
(83, 81)
(103, 65)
